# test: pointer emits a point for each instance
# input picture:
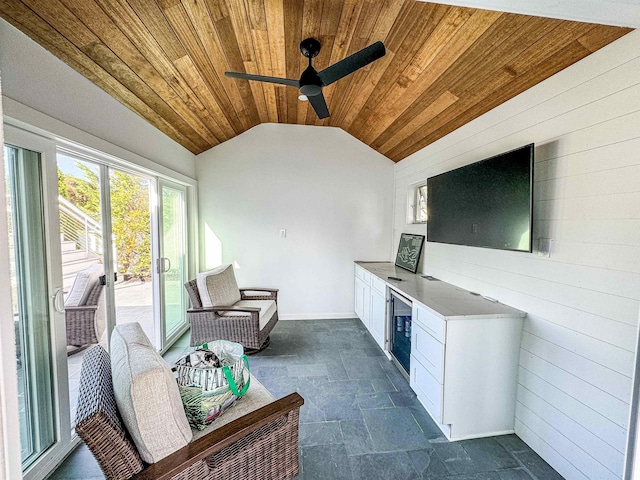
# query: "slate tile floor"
(360, 419)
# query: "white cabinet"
(464, 371)
(362, 304)
(371, 304)
(464, 348)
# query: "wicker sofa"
(222, 311)
(261, 444)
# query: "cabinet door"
(378, 317)
(361, 301)
(366, 305)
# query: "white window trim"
(412, 203)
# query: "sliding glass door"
(172, 265)
(30, 302)
(131, 224)
(37, 301)
(136, 226)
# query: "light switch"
(283, 233)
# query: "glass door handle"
(162, 265)
(58, 300)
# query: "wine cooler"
(400, 330)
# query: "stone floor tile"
(311, 413)
(512, 443)
(356, 353)
(366, 371)
(326, 462)
(79, 465)
(474, 456)
(394, 429)
(355, 435)
(515, 474)
(264, 372)
(339, 407)
(489, 453)
(383, 385)
(539, 469)
(403, 399)
(427, 464)
(383, 466)
(325, 433)
(374, 400)
(350, 387)
(307, 370)
(337, 371)
(426, 423)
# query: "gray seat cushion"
(267, 309)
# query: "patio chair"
(128, 417)
(222, 311)
(84, 315)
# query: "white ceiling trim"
(622, 13)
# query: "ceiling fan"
(312, 81)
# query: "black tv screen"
(485, 204)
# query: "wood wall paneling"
(166, 59)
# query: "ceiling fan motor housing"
(310, 83)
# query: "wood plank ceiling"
(164, 59)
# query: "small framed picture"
(409, 251)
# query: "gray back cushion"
(82, 285)
(147, 395)
(218, 287)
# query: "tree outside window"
(421, 215)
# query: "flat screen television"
(486, 204)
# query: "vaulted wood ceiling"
(165, 60)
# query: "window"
(417, 211)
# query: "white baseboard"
(316, 316)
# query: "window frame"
(417, 192)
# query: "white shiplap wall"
(577, 354)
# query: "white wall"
(577, 355)
(332, 194)
(34, 77)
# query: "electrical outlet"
(283, 233)
(544, 247)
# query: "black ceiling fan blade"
(262, 78)
(352, 63)
(319, 105)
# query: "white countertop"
(445, 300)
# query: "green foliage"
(84, 194)
(131, 223)
(130, 216)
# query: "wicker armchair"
(242, 321)
(260, 445)
(85, 323)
